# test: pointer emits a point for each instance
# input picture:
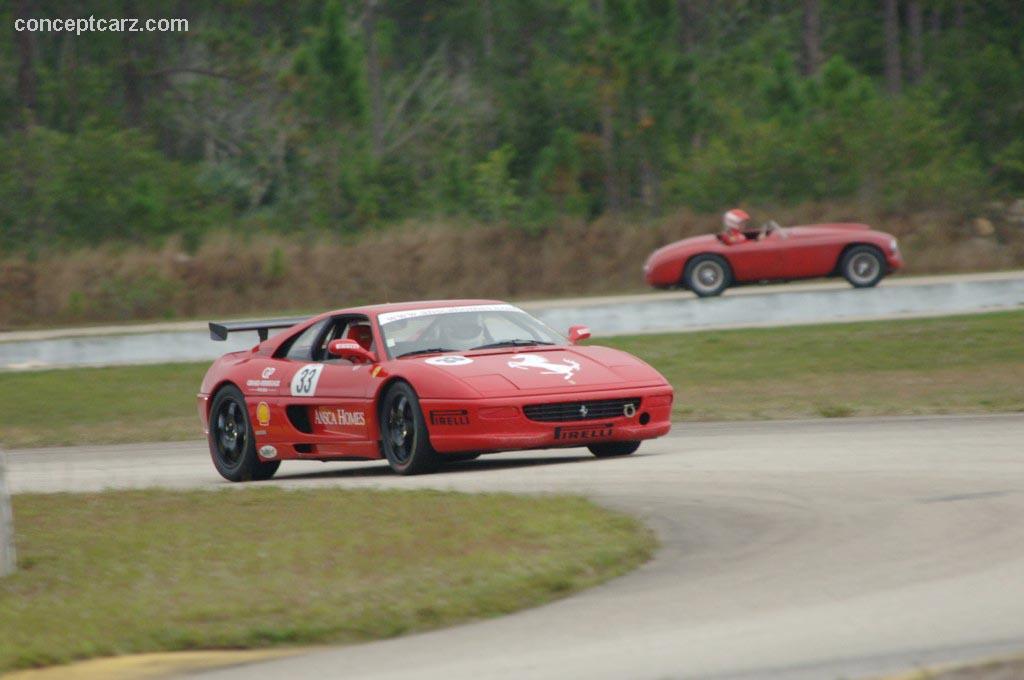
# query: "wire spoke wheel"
(863, 266)
(707, 275)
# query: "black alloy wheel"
(403, 432)
(232, 441)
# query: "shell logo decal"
(263, 413)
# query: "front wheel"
(707, 275)
(862, 266)
(232, 442)
(403, 432)
(611, 449)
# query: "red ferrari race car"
(738, 255)
(419, 384)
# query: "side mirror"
(351, 350)
(578, 334)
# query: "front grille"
(581, 410)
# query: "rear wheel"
(862, 266)
(403, 432)
(707, 275)
(232, 442)
(611, 449)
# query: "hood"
(826, 229)
(539, 371)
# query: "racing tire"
(232, 440)
(862, 266)
(612, 449)
(403, 432)
(707, 275)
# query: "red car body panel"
(472, 407)
(785, 254)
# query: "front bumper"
(894, 259)
(500, 424)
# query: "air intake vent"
(299, 418)
(582, 410)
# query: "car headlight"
(894, 247)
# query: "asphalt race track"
(795, 549)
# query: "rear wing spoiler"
(219, 329)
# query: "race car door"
(328, 401)
(758, 259)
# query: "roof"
(420, 304)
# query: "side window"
(337, 330)
(302, 347)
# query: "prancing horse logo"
(567, 369)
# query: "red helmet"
(736, 219)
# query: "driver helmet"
(464, 327)
(736, 220)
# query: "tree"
(27, 86)
(334, 68)
(915, 24)
(812, 36)
(893, 71)
(373, 76)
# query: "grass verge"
(962, 364)
(141, 571)
(966, 364)
(997, 669)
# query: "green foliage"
(837, 136)
(332, 65)
(556, 177)
(95, 185)
(494, 189)
(329, 115)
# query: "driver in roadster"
(737, 227)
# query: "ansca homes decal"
(340, 416)
(583, 432)
(450, 417)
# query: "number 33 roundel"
(305, 379)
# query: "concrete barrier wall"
(649, 313)
(780, 307)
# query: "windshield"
(460, 329)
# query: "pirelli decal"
(450, 417)
(583, 432)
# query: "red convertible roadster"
(709, 264)
(420, 384)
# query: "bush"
(93, 186)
